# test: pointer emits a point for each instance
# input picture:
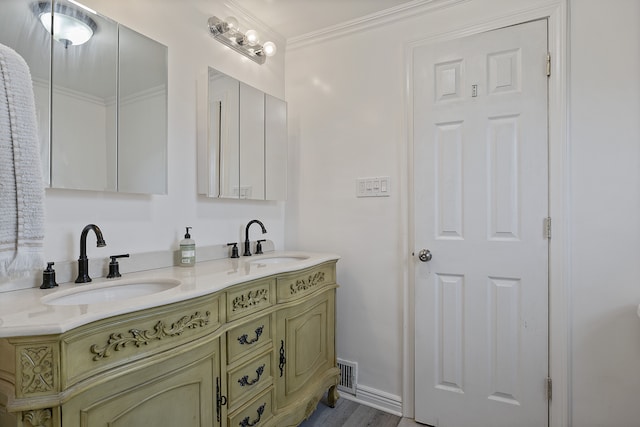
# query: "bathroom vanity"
(246, 342)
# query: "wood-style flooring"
(348, 413)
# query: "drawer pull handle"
(245, 380)
(244, 339)
(247, 423)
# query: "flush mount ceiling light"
(71, 27)
(248, 44)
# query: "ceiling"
(293, 18)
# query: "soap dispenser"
(187, 250)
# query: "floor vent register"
(348, 376)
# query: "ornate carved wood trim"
(250, 299)
(139, 337)
(37, 418)
(37, 369)
(308, 283)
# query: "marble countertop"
(26, 313)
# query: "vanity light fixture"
(248, 44)
(71, 27)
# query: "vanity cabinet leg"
(332, 396)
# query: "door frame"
(556, 12)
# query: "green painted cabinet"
(177, 391)
(259, 353)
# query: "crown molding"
(383, 17)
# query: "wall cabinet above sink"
(242, 141)
(101, 104)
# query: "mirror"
(142, 114)
(20, 30)
(275, 148)
(223, 118)
(242, 143)
(107, 126)
(84, 87)
(252, 178)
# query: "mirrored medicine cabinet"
(101, 103)
(242, 141)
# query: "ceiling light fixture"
(248, 44)
(71, 27)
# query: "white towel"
(21, 185)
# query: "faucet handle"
(259, 246)
(114, 267)
(234, 250)
(48, 277)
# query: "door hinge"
(548, 64)
(548, 387)
(547, 227)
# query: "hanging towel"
(21, 184)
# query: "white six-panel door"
(481, 200)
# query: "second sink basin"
(102, 293)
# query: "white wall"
(347, 120)
(346, 109)
(134, 223)
(605, 218)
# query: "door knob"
(425, 255)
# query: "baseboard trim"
(376, 399)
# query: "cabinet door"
(305, 346)
(251, 143)
(275, 148)
(179, 391)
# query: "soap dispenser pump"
(187, 250)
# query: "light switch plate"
(379, 186)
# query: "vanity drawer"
(246, 338)
(116, 341)
(250, 298)
(256, 413)
(248, 379)
(298, 284)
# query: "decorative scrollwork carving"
(38, 417)
(244, 381)
(138, 337)
(37, 369)
(308, 283)
(247, 423)
(250, 299)
(244, 339)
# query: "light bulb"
(269, 48)
(232, 23)
(251, 37)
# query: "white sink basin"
(278, 259)
(102, 293)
